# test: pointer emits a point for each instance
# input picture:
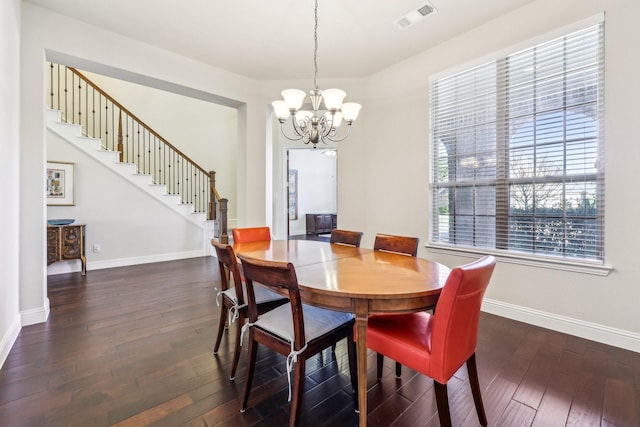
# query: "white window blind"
(517, 151)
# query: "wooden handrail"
(133, 116)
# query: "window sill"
(584, 267)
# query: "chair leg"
(442, 401)
(298, 389)
(223, 317)
(398, 370)
(353, 369)
(236, 352)
(251, 364)
(321, 354)
(379, 364)
(472, 369)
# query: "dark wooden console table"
(321, 223)
(65, 242)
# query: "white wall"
(317, 183)
(131, 226)
(9, 172)
(384, 171)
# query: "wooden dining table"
(356, 280)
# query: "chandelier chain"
(315, 50)
(317, 125)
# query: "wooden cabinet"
(66, 242)
(321, 223)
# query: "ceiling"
(273, 40)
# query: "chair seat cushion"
(405, 338)
(263, 295)
(317, 321)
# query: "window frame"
(577, 264)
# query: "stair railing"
(84, 103)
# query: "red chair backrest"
(454, 332)
(251, 234)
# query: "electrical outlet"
(96, 247)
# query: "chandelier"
(316, 125)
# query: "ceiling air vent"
(425, 10)
(414, 16)
(403, 23)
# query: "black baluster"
(177, 179)
(170, 171)
(80, 103)
(65, 95)
(73, 99)
(106, 123)
(164, 166)
(126, 138)
(149, 167)
(100, 116)
(58, 88)
(138, 152)
(93, 112)
(50, 85)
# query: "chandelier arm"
(296, 128)
(284, 133)
(326, 125)
(332, 139)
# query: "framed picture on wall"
(60, 184)
(293, 194)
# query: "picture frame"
(60, 183)
(293, 194)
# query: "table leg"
(361, 328)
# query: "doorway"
(313, 188)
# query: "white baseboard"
(61, 267)
(591, 331)
(73, 266)
(8, 339)
(35, 315)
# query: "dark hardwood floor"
(132, 346)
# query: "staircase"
(90, 119)
(73, 134)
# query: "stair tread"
(80, 141)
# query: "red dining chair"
(251, 234)
(438, 344)
(295, 330)
(234, 301)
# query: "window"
(517, 151)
